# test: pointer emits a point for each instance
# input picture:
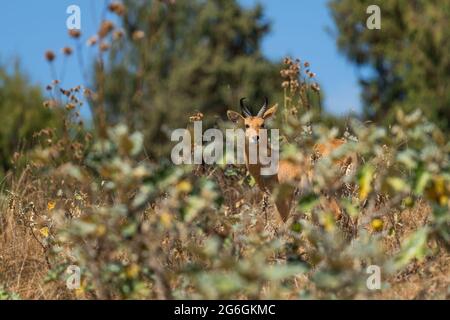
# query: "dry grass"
(24, 268)
(23, 264)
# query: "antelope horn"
(263, 108)
(244, 109)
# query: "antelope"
(288, 173)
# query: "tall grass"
(149, 229)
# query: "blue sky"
(29, 28)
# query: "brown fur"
(289, 174)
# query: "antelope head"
(252, 123)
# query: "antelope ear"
(234, 116)
(270, 112)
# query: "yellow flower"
(328, 222)
(439, 192)
(51, 205)
(44, 231)
(365, 181)
(166, 219)
(439, 185)
(78, 196)
(132, 271)
(184, 186)
(100, 230)
(443, 200)
(377, 224)
(408, 201)
(80, 292)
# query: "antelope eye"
(247, 126)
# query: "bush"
(22, 115)
(139, 229)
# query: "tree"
(179, 57)
(22, 114)
(407, 59)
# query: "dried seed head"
(50, 55)
(88, 136)
(16, 157)
(294, 85)
(287, 61)
(67, 51)
(117, 8)
(105, 28)
(65, 92)
(118, 34)
(92, 41)
(138, 35)
(87, 92)
(315, 87)
(74, 33)
(50, 103)
(70, 106)
(196, 117)
(104, 46)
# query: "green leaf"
(350, 208)
(422, 180)
(407, 157)
(413, 248)
(129, 230)
(308, 202)
(84, 227)
(365, 181)
(230, 172)
(251, 181)
(398, 184)
(296, 227)
(280, 272)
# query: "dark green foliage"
(408, 58)
(195, 56)
(22, 114)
